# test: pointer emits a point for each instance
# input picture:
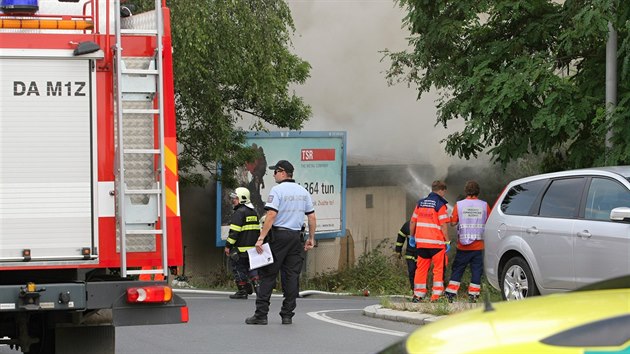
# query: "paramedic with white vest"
(470, 216)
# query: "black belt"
(282, 228)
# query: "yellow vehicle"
(586, 321)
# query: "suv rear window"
(519, 199)
(562, 198)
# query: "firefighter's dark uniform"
(244, 232)
(403, 238)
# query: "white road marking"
(321, 315)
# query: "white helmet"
(242, 194)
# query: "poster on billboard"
(319, 159)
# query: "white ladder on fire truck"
(140, 186)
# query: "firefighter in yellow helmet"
(244, 232)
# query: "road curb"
(378, 311)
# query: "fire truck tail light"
(149, 294)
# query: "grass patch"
(379, 272)
(382, 273)
(440, 308)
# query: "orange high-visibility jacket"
(429, 216)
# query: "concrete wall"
(366, 227)
(371, 225)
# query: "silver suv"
(559, 231)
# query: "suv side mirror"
(620, 214)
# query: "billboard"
(319, 159)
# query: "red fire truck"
(89, 210)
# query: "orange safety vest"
(429, 216)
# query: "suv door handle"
(532, 230)
(584, 234)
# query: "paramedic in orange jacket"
(429, 225)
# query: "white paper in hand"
(259, 260)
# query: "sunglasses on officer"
(277, 171)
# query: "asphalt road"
(217, 325)
(322, 324)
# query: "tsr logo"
(307, 155)
(318, 154)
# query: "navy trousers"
(462, 259)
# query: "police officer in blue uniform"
(286, 206)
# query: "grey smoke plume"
(348, 91)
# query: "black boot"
(241, 293)
(255, 320)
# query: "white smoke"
(348, 91)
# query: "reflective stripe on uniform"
(251, 227)
(471, 236)
(471, 226)
(438, 289)
(429, 241)
(474, 289)
(420, 290)
(427, 225)
(244, 228)
(453, 287)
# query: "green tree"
(231, 58)
(527, 76)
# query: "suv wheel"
(517, 280)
